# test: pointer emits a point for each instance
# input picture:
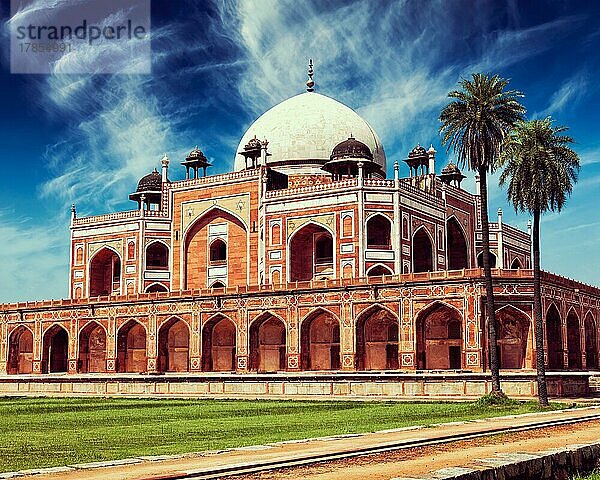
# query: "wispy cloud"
(34, 258)
(568, 95)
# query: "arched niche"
(377, 340)
(267, 344)
(456, 246)
(173, 346)
(92, 349)
(439, 338)
(422, 251)
(320, 342)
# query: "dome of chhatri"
(351, 148)
(196, 154)
(150, 183)
(303, 130)
(450, 168)
(418, 151)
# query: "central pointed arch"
(377, 340)
(105, 272)
(267, 344)
(554, 340)
(20, 351)
(92, 349)
(573, 340)
(55, 350)
(311, 253)
(131, 348)
(320, 341)
(219, 338)
(422, 246)
(456, 245)
(439, 338)
(198, 270)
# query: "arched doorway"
(174, 346)
(20, 351)
(554, 339)
(320, 342)
(311, 253)
(516, 264)
(105, 273)
(157, 256)
(55, 350)
(156, 287)
(456, 245)
(218, 345)
(573, 340)
(377, 341)
(492, 260)
(267, 344)
(131, 348)
(512, 327)
(379, 232)
(422, 252)
(439, 338)
(92, 349)
(591, 342)
(378, 271)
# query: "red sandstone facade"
(267, 269)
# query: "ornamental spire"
(310, 84)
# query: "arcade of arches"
(375, 343)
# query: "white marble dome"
(303, 130)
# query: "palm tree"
(540, 170)
(475, 124)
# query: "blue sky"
(216, 66)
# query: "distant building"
(305, 257)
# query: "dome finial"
(310, 84)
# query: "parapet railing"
(320, 187)
(465, 274)
(106, 217)
(223, 177)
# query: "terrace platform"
(299, 385)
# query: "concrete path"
(145, 468)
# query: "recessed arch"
(513, 327)
(379, 232)
(378, 270)
(320, 341)
(422, 250)
(267, 343)
(591, 341)
(217, 251)
(312, 253)
(516, 264)
(20, 351)
(173, 346)
(157, 255)
(131, 348)
(492, 260)
(554, 338)
(104, 272)
(218, 284)
(574, 339)
(219, 339)
(439, 337)
(55, 349)
(92, 348)
(456, 245)
(196, 264)
(156, 287)
(377, 339)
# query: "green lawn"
(38, 432)
(592, 476)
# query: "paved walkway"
(142, 468)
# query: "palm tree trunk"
(489, 286)
(537, 314)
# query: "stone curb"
(556, 464)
